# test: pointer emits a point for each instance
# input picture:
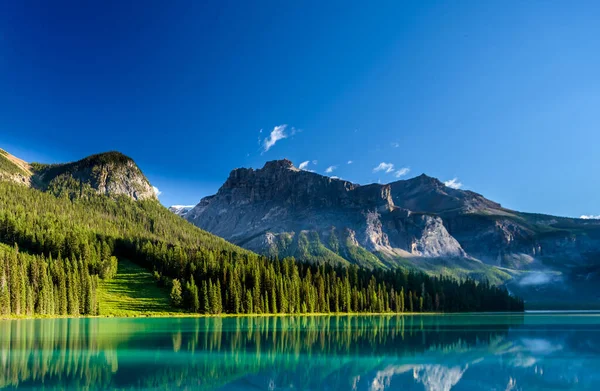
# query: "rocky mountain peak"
(425, 179)
(109, 173)
(427, 194)
(274, 165)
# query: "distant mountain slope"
(281, 210)
(110, 173)
(181, 210)
(63, 238)
(14, 169)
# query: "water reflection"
(328, 353)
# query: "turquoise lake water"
(375, 353)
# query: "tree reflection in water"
(341, 352)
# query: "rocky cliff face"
(110, 173)
(281, 210)
(285, 211)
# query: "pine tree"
(14, 283)
(4, 288)
(176, 298)
(192, 295)
(205, 298)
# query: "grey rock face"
(266, 210)
(181, 210)
(281, 210)
(110, 173)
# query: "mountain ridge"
(281, 210)
(110, 173)
(63, 238)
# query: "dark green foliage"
(78, 237)
(47, 172)
(107, 268)
(35, 284)
(191, 294)
(176, 293)
(8, 166)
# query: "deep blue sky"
(504, 96)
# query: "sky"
(499, 97)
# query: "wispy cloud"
(350, 162)
(590, 217)
(303, 165)
(453, 183)
(386, 167)
(395, 145)
(156, 191)
(315, 162)
(401, 172)
(279, 132)
(330, 169)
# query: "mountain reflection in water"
(430, 352)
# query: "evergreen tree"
(192, 296)
(176, 293)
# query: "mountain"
(419, 222)
(181, 210)
(109, 173)
(90, 238)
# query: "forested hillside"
(59, 242)
(72, 241)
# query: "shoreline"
(183, 315)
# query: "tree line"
(34, 284)
(76, 236)
(244, 346)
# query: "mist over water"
(430, 352)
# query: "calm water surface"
(434, 353)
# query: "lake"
(375, 353)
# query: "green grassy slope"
(133, 292)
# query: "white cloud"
(278, 133)
(335, 177)
(315, 162)
(303, 165)
(401, 172)
(453, 183)
(330, 169)
(156, 191)
(590, 217)
(350, 162)
(387, 167)
(395, 145)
